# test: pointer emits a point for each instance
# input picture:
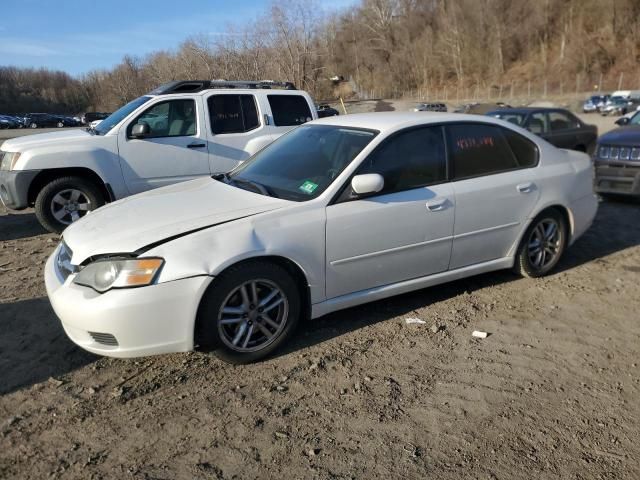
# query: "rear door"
(404, 231)
(175, 149)
(495, 190)
(563, 129)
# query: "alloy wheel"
(253, 315)
(545, 243)
(69, 205)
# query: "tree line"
(382, 46)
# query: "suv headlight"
(104, 275)
(8, 160)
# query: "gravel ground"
(551, 393)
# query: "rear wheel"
(248, 312)
(60, 124)
(65, 200)
(33, 125)
(542, 245)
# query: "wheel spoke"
(248, 337)
(245, 297)
(273, 305)
(75, 195)
(231, 321)
(59, 199)
(233, 311)
(83, 206)
(239, 333)
(268, 298)
(269, 321)
(267, 333)
(254, 293)
(60, 214)
(550, 231)
(74, 216)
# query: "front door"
(175, 149)
(403, 232)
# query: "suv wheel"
(248, 312)
(65, 200)
(542, 245)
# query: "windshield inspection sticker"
(308, 187)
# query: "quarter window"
(233, 113)
(173, 118)
(289, 110)
(410, 159)
(477, 150)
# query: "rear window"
(289, 110)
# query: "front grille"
(104, 339)
(613, 153)
(63, 261)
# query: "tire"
(48, 204)
(60, 124)
(224, 292)
(33, 125)
(524, 265)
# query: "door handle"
(526, 187)
(196, 145)
(437, 205)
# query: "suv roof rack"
(193, 86)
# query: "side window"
(410, 159)
(289, 110)
(173, 118)
(476, 150)
(537, 123)
(233, 113)
(559, 121)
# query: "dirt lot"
(551, 393)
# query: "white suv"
(179, 131)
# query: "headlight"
(104, 275)
(8, 160)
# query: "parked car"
(7, 121)
(40, 120)
(339, 212)
(430, 107)
(558, 126)
(66, 121)
(178, 132)
(594, 103)
(89, 117)
(326, 111)
(617, 159)
(620, 106)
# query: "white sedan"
(339, 212)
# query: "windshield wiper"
(255, 186)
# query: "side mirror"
(367, 183)
(140, 130)
(622, 121)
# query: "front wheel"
(33, 125)
(65, 200)
(248, 312)
(542, 245)
(60, 124)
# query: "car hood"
(624, 136)
(21, 144)
(153, 217)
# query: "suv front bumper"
(14, 187)
(618, 179)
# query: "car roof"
(528, 110)
(390, 121)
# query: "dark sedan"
(39, 120)
(617, 160)
(558, 126)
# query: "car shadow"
(21, 225)
(33, 345)
(616, 228)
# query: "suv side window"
(289, 110)
(233, 113)
(410, 159)
(173, 118)
(476, 150)
(562, 121)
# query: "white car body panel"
(349, 253)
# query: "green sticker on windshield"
(308, 187)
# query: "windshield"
(301, 165)
(635, 120)
(516, 118)
(119, 115)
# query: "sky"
(82, 35)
